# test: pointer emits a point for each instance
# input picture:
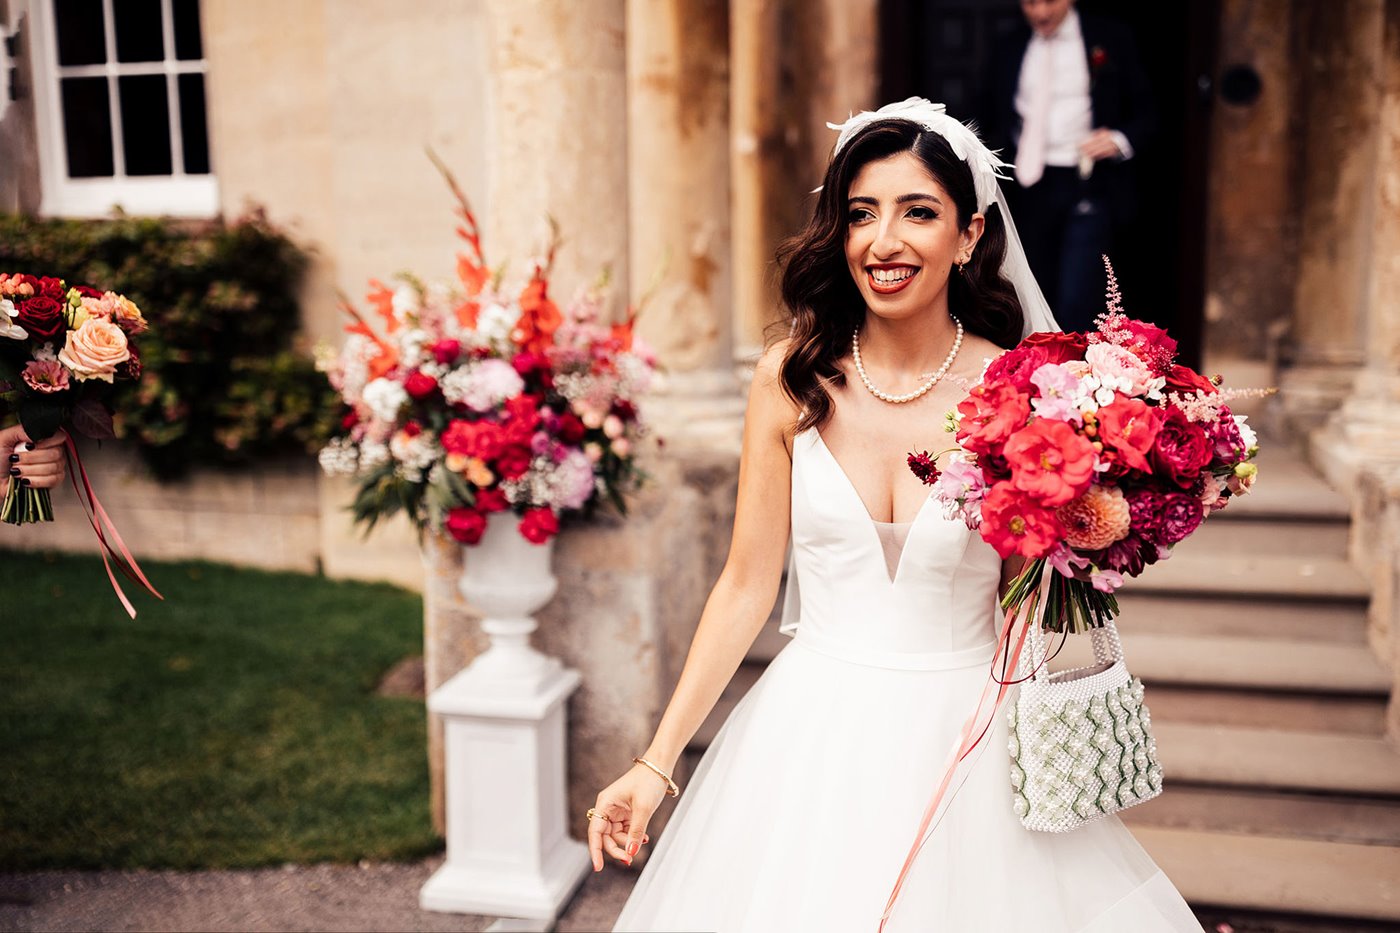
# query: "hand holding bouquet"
(483, 396)
(1092, 456)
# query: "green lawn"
(234, 724)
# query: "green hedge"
(227, 381)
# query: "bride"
(908, 277)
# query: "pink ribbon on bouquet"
(966, 742)
(94, 511)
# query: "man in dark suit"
(1068, 102)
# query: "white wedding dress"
(801, 812)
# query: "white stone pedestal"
(508, 853)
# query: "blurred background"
(235, 165)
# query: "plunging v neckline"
(872, 521)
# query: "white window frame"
(177, 194)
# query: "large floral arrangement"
(63, 351)
(483, 396)
(1091, 455)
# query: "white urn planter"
(508, 850)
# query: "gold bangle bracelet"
(671, 789)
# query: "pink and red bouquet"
(1092, 456)
(63, 352)
(484, 396)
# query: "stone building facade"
(676, 141)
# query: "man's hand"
(1101, 145)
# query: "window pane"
(80, 32)
(145, 124)
(138, 31)
(193, 126)
(87, 127)
(188, 45)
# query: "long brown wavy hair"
(826, 305)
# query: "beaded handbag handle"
(1108, 648)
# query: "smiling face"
(903, 238)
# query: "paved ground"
(364, 897)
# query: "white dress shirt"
(1071, 115)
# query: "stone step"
(1237, 756)
(1287, 488)
(1261, 534)
(1302, 712)
(1245, 663)
(1278, 874)
(1254, 617)
(1268, 576)
(1371, 821)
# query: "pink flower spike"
(1065, 561)
(1106, 581)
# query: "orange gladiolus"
(382, 297)
(539, 317)
(473, 276)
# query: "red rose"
(1182, 449)
(352, 418)
(1130, 428)
(624, 409)
(447, 351)
(1183, 379)
(88, 292)
(492, 500)
(1050, 461)
(990, 413)
(514, 461)
(465, 524)
(526, 362)
(420, 385)
(50, 287)
(1098, 57)
(1152, 344)
(481, 439)
(539, 525)
(524, 408)
(1015, 367)
(412, 429)
(43, 317)
(1013, 523)
(570, 428)
(1058, 347)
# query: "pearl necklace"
(908, 396)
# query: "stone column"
(678, 162)
(558, 137)
(1343, 62)
(1360, 447)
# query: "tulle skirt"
(801, 812)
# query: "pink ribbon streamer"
(966, 743)
(94, 511)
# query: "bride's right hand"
(621, 814)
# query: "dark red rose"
(513, 461)
(88, 292)
(1182, 449)
(465, 524)
(923, 467)
(420, 385)
(1184, 380)
(624, 410)
(1181, 515)
(539, 525)
(1015, 367)
(50, 287)
(42, 317)
(413, 429)
(352, 418)
(447, 351)
(131, 368)
(1058, 347)
(570, 428)
(492, 500)
(1098, 57)
(527, 362)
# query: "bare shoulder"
(769, 404)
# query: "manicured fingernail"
(14, 458)
(14, 471)
(632, 848)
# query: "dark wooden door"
(939, 49)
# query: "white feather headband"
(934, 117)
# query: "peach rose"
(95, 349)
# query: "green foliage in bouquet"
(225, 382)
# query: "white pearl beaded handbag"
(1081, 740)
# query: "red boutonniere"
(1097, 57)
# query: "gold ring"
(593, 813)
